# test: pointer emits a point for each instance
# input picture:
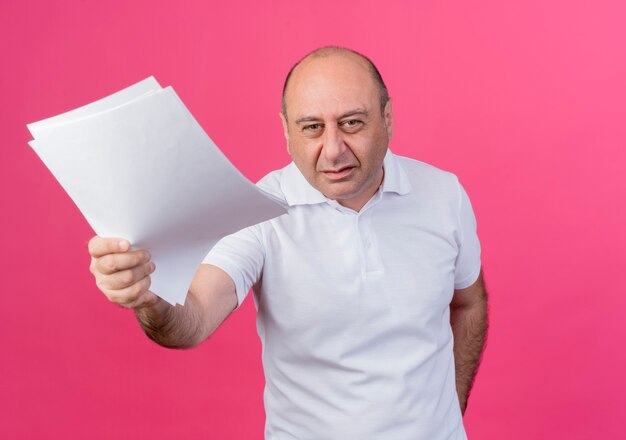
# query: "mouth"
(339, 173)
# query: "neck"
(357, 202)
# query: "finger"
(99, 246)
(126, 278)
(128, 296)
(112, 263)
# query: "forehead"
(329, 85)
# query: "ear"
(283, 119)
(388, 118)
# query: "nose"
(334, 144)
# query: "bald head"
(335, 51)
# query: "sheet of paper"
(140, 167)
(138, 90)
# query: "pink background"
(524, 101)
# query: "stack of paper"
(139, 166)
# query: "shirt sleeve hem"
(468, 280)
(233, 272)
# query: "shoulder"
(436, 194)
(426, 176)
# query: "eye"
(312, 130)
(351, 125)
(312, 127)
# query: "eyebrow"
(358, 111)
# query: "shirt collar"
(298, 191)
(395, 179)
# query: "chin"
(342, 190)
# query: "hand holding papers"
(140, 167)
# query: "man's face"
(335, 131)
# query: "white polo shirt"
(353, 308)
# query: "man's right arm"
(124, 277)
(211, 298)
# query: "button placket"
(369, 244)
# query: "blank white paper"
(139, 166)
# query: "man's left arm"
(468, 318)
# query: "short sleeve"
(467, 265)
(241, 255)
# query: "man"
(371, 305)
